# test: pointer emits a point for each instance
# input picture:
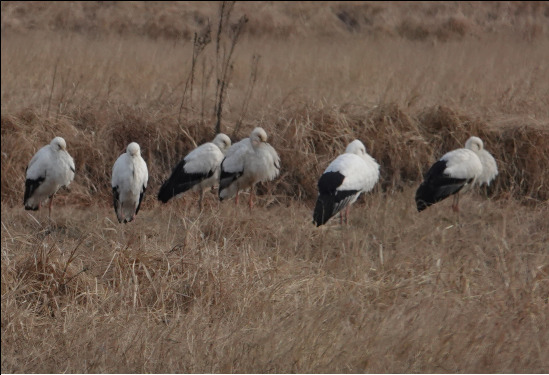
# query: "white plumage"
(49, 169)
(199, 170)
(348, 176)
(489, 165)
(455, 172)
(129, 183)
(246, 163)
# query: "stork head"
(474, 144)
(356, 147)
(58, 143)
(133, 149)
(258, 135)
(222, 141)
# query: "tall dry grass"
(227, 290)
(409, 104)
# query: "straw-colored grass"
(229, 290)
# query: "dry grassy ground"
(228, 290)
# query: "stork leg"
(250, 202)
(49, 207)
(200, 206)
(455, 204)
(455, 208)
(344, 216)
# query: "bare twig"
(251, 84)
(52, 85)
(226, 70)
(200, 42)
(205, 79)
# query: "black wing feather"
(30, 187)
(180, 181)
(327, 205)
(227, 178)
(116, 200)
(140, 199)
(437, 186)
(330, 200)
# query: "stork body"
(246, 163)
(199, 170)
(348, 176)
(129, 183)
(49, 169)
(454, 173)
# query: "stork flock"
(240, 166)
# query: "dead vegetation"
(228, 290)
(441, 21)
(404, 144)
(225, 291)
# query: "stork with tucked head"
(456, 172)
(197, 171)
(49, 169)
(246, 163)
(129, 183)
(349, 175)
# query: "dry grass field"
(226, 290)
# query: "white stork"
(246, 163)
(49, 169)
(455, 172)
(199, 170)
(129, 183)
(349, 175)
